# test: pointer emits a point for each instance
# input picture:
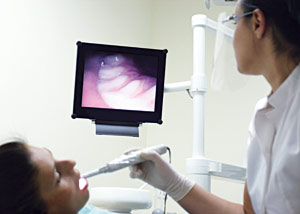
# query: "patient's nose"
(67, 165)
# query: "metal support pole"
(197, 168)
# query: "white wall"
(38, 55)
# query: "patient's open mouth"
(83, 184)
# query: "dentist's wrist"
(179, 187)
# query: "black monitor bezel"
(116, 116)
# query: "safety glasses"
(234, 18)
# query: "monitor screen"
(117, 84)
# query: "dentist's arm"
(194, 199)
(199, 201)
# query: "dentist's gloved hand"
(158, 173)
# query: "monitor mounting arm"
(220, 3)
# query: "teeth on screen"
(109, 72)
(113, 84)
(114, 60)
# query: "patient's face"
(58, 182)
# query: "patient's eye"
(59, 177)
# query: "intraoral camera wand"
(125, 161)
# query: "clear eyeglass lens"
(230, 22)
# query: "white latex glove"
(158, 173)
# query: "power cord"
(166, 196)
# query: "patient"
(33, 182)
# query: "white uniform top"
(273, 178)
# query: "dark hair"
(284, 17)
(19, 191)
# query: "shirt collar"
(287, 89)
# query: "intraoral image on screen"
(119, 81)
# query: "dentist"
(266, 42)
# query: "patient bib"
(93, 210)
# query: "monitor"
(119, 84)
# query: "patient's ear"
(259, 25)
